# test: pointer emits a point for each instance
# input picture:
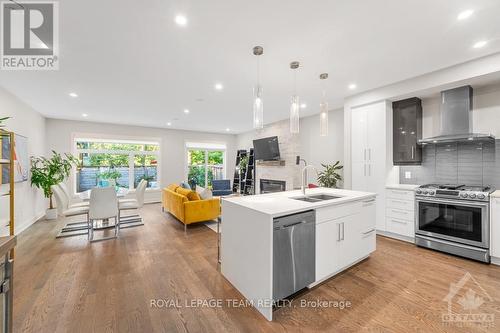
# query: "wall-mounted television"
(266, 149)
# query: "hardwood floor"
(69, 285)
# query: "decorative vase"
(51, 214)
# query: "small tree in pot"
(330, 176)
(46, 172)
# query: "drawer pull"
(400, 192)
(400, 222)
(399, 212)
(399, 201)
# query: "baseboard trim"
(495, 261)
(28, 223)
(396, 236)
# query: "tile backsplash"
(470, 163)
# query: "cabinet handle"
(368, 201)
(368, 232)
(338, 233)
(412, 152)
(343, 231)
(369, 154)
(364, 170)
(400, 222)
(400, 201)
(369, 169)
(364, 154)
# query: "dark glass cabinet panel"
(407, 130)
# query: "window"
(120, 163)
(205, 162)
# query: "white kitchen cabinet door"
(359, 176)
(328, 248)
(495, 227)
(359, 135)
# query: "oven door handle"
(454, 202)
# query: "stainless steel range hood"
(456, 118)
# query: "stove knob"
(419, 191)
(472, 195)
(464, 195)
(425, 192)
(431, 192)
(481, 196)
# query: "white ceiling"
(131, 64)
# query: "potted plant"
(330, 176)
(46, 172)
(110, 175)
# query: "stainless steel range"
(454, 219)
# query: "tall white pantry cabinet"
(371, 151)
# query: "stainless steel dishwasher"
(294, 243)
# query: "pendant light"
(295, 102)
(323, 107)
(258, 105)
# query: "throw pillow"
(199, 189)
(206, 194)
(185, 185)
(192, 196)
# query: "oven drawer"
(400, 204)
(401, 194)
(400, 214)
(400, 226)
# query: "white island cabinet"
(344, 235)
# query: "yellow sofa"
(187, 207)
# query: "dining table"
(120, 193)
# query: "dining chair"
(67, 193)
(63, 207)
(138, 202)
(103, 206)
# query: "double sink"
(316, 198)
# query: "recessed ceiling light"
(186, 111)
(303, 105)
(480, 44)
(84, 115)
(353, 86)
(227, 129)
(218, 86)
(169, 124)
(465, 14)
(181, 20)
(74, 95)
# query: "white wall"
(317, 150)
(60, 135)
(30, 203)
(308, 143)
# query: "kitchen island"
(330, 230)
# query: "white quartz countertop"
(405, 187)
(280, 203)
(495, 194)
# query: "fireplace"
(271, 185)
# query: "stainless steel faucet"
(304, 177)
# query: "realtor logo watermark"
(464, 300)
(29, 35)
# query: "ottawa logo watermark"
(464, 300)
(29, 35)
